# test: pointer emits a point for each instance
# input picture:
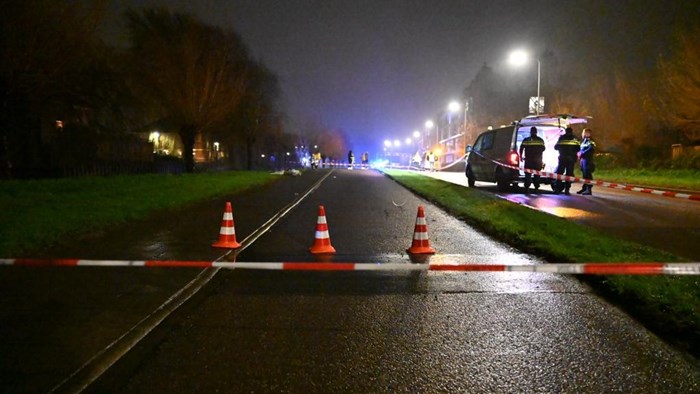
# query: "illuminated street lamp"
(453, 106)
(387, 143)
(397, 143)
(520, 57)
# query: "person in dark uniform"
(532, 147)
(351, 159)
(586, 156)
(568, 147)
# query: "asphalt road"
(670, 224)
(278, 331)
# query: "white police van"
(502, 145)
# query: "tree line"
(62, 86)
(637, 114)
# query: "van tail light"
(513, 158)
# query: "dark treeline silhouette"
(71, 104)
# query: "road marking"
(96, 366)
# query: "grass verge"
(668, 305)
(687, 179)
(63, 207)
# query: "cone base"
(421, 250)
(325, 249)
(226, 245)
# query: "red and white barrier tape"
(345, 165)
(566, 178)
(585, 268)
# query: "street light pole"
(464, 132)
(428, 125)
(466, 108)
(537, 108)
(520, 57)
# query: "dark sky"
(379, 68)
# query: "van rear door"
(549, 128)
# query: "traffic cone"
(227, 233)
(421, 243)
(322, 241)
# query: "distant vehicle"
(502, 145)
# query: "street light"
(518, 58)
(453, 106)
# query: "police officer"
(533, 147)
(568, 147)
(351, 159)
(587, 166)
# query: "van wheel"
(471, 181)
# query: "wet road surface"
(670, 224)
(322, 331)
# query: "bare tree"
(194, 74)
(680, 76)
(332, 143)
(257, 116)
(622, 117)
(490, 102)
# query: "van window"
(484, 142)
(523, 133)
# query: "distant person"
(568, 147)
(435, 161)
(315, 159)
(365, 159)
(431, 161)
(532, 147)
(586, 156)
(351, 159)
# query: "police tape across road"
(690, 268)
(619, 186)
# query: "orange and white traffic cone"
(421, 243)
(227, 233)
(322, 241)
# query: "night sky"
(379, 68)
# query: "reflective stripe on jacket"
(568, 146)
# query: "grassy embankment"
(36, 213)
(670, 305)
